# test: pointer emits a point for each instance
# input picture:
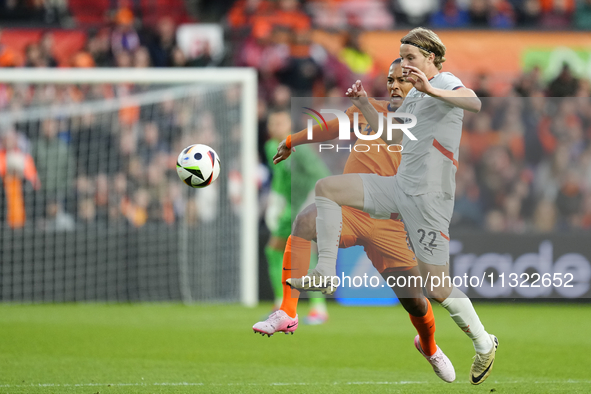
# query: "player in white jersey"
(423, 190)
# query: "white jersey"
(429, 164)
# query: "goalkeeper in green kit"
(288, 195)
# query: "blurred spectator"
(570, 198)
(8, 57)
(501, 14)
(281, 97)
(546, 182)
(413, 12)
(512, 131)
(172, 202)
(91, 143)
(56, 219)
(529, 13)
(467, 208)
(132, 5)
(124, 37)
(528, 84)
(328, 14)
(101, 197)
(557, 14)
(450, 15)
(244, 11)
(123, 59)
(480, 137)
(34, 57)
(565, 84)
(357, 63)
(46, 48)
(285, 14)
(584, 90)
(84, 188)
(150, 146)
(586, 214)
(545, 216)
(86, 212)
(141, 58)
(203, 59)
(495, 221)
(118, 194)
(373, 14)
(19, 10)
(533, 113)
(99, 47)
(582, 17)
(512, 207)
(478, 11)
(482, 86)
(496, 174)
(55, 161)
(492, 13)
(561, 128)
(162, 43)
(18, 174)
(301, 71)
(83, 60)
(136, 209)
(178, 58)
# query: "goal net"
(91, 207)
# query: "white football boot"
(440, 363)
(278, 321)
(483, 363)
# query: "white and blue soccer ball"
(198, 165)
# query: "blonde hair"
(427, 42)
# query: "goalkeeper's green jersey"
(307, 168)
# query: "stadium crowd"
(525, 160)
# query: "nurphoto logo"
(392, 123)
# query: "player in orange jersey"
(384, 241)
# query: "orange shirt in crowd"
(13, 189)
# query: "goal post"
(247, 211)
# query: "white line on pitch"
(275, 383)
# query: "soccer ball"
(198, 165)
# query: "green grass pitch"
(171, 348)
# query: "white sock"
(329, 223)
(462, 311)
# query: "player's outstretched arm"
(319, 134)
(359, 97)
(463, 98)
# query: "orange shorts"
(384, 241)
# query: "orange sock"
(296, 260)
(425, 326)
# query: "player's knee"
(438, 294)
(416, 306)
(304, 225)
(322, 189)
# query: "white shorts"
(426, 216)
